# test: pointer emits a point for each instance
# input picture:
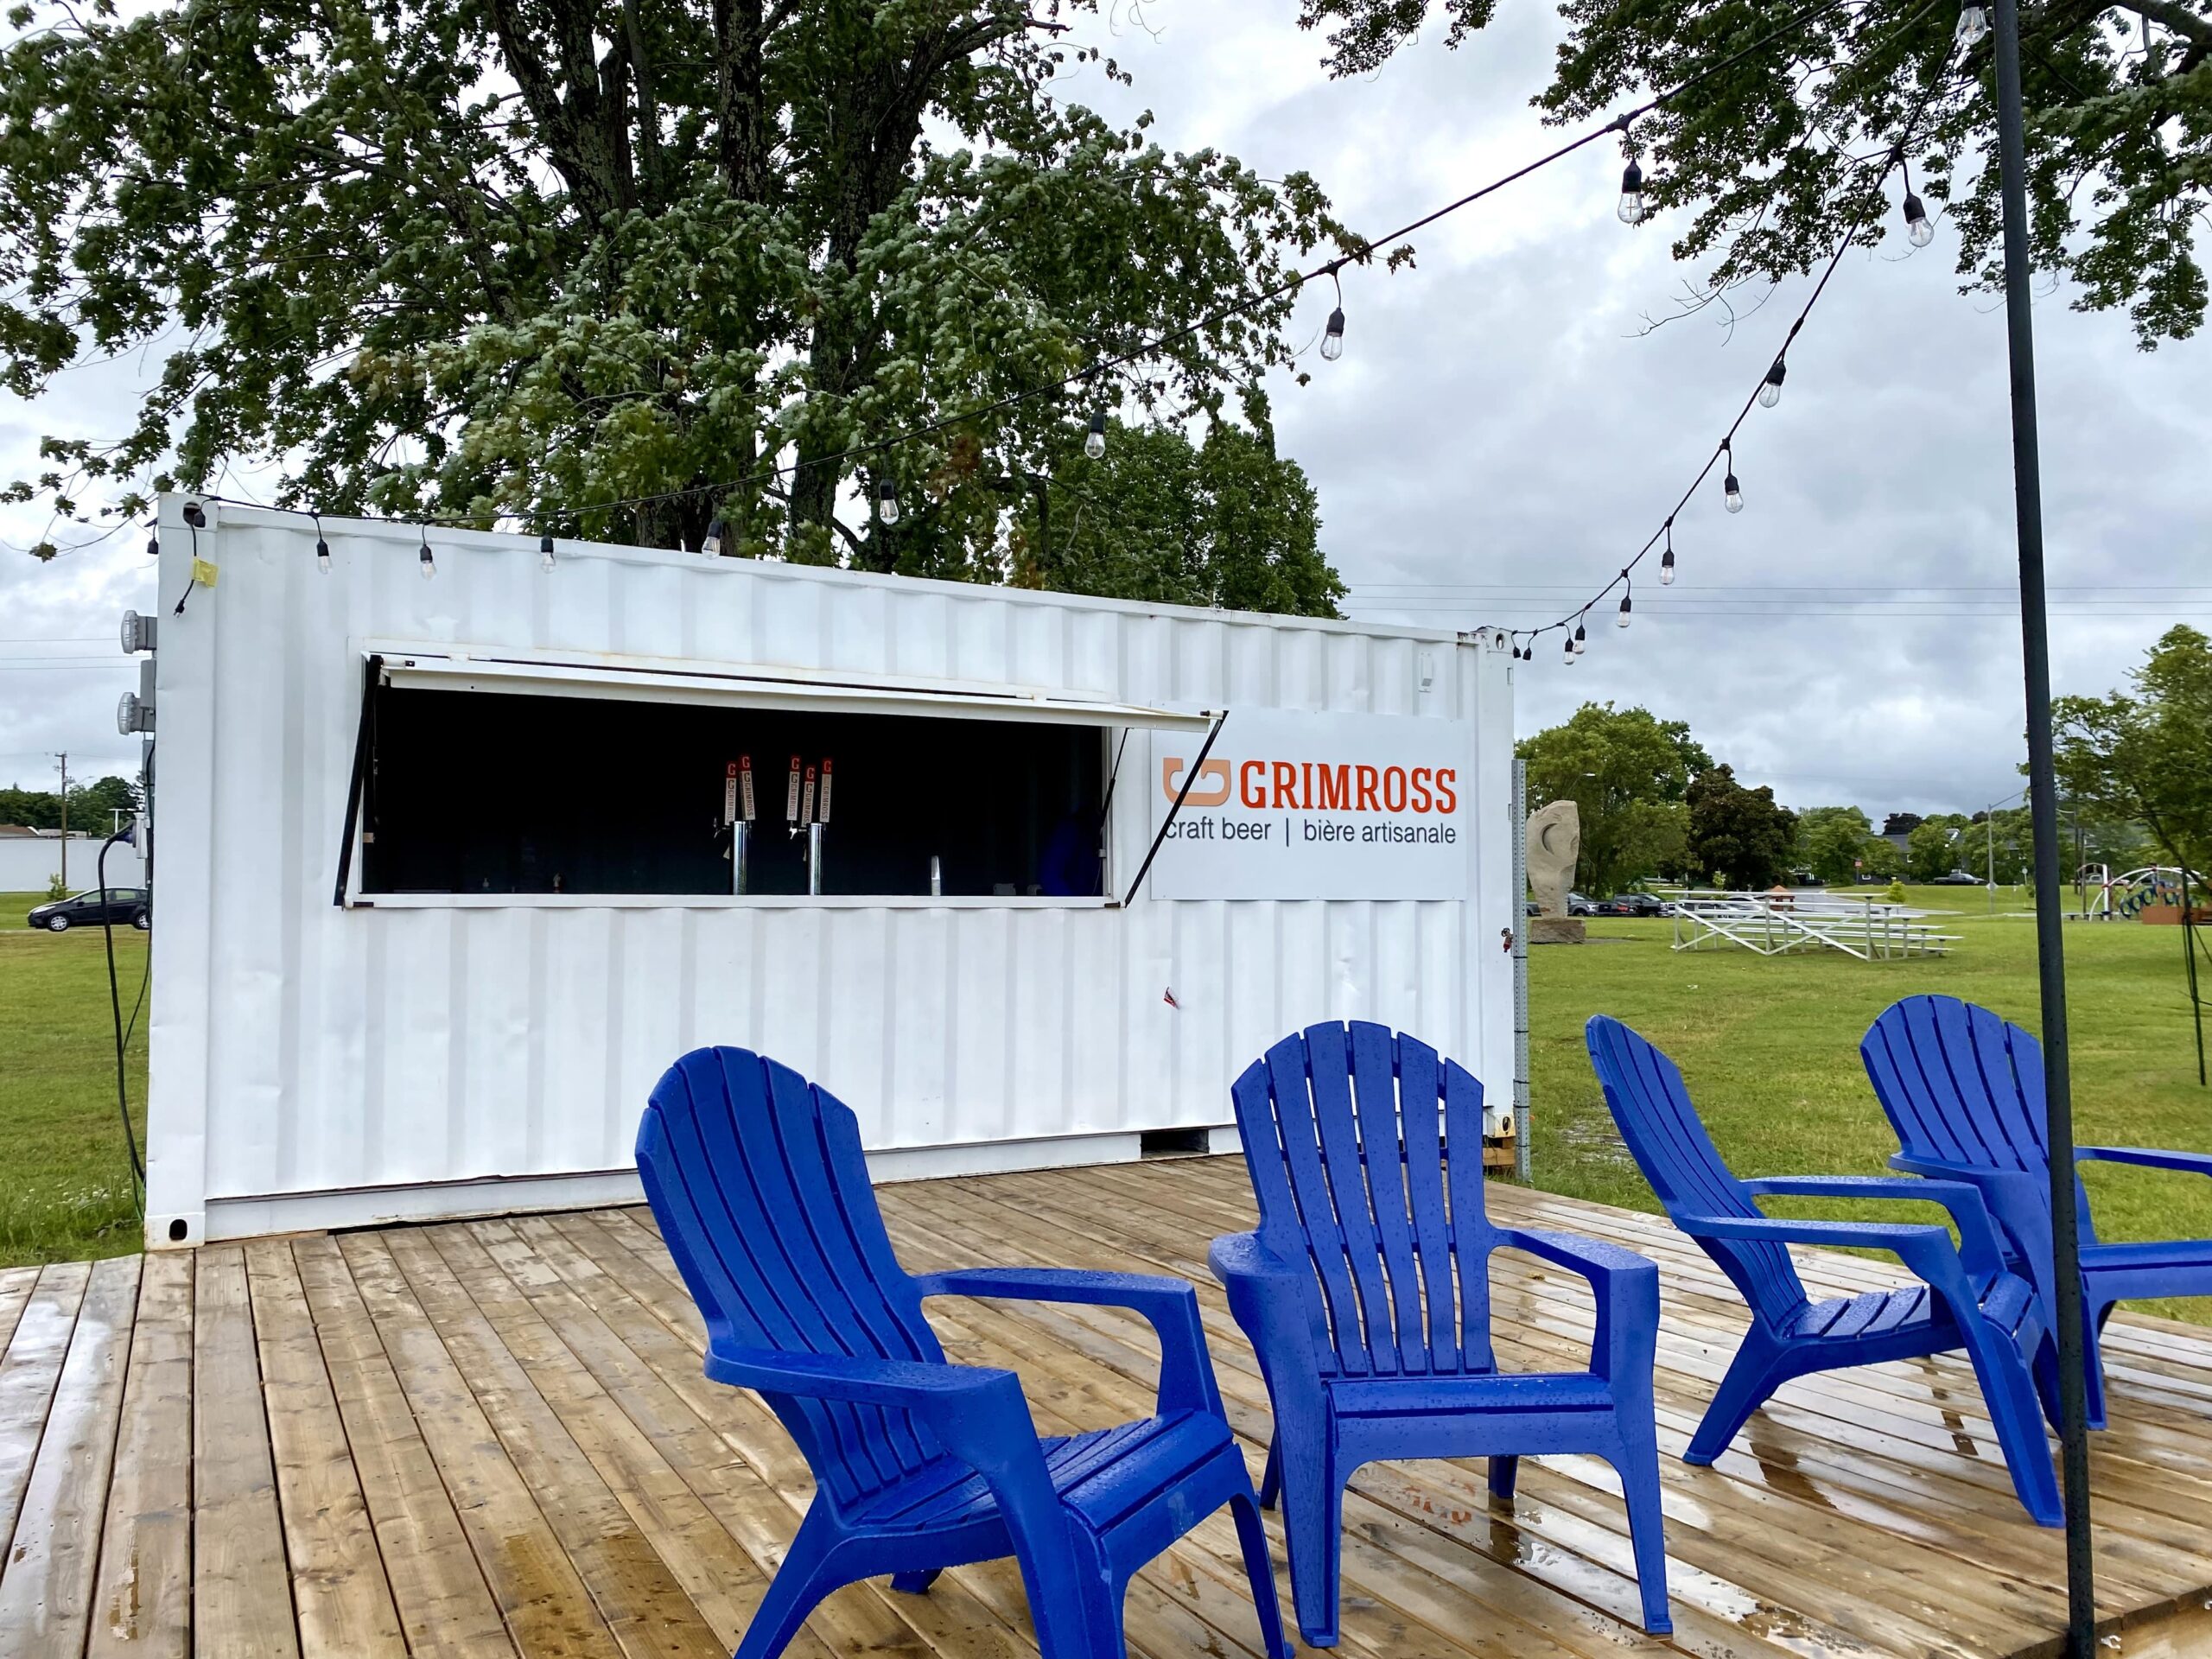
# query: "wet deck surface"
(493, 1439)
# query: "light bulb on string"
(1628, 602)
(545, 552)
(886, 501)
(1566, 651)
(1731, 493)
(1332, 337)
(1578, 643)
(1916, 221)
(1771, 388)
(1632, 210)
(711, 543)
(321, 547)
(428, 565)
(153, 541)
(1974, 26)
(1094, 444)
(1666, 559)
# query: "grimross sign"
(1315, 806)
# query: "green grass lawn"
(1768, 1047)
(65, 1179)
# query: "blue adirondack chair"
(759, 1183)
(1963, 1090)
(1365, 1151)
(1967, 1297)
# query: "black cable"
(115, 1004)
(1619, 123)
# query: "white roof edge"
(408, 532)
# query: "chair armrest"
(1980, 1248)
(2195, 1163)
(1271, 1299)
(1626, 1287)
(1186, 1379)
(914, 1385)
(1925, 1248)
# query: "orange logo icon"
(1209, 788)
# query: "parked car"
(86, 910)
(1956, 879)
(1620, 904)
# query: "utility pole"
(63, 758)
(2043, 803)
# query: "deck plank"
(28, 1373)
(540, 1590)
(646, 1608)
(345, 1606)
(241, 1586)
(141, 1598)
(445, 1607)
(45, 1589)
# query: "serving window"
(508, 783)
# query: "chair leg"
(1755, 1373)
(2009, 1391)
(1504, 1474)
(1313, 1510)
(1638, 1467)
(1271, 1476)
(1073, 1600)
(799, 1584)
(1252, 1537)
(2094, 1315)
(915, 1583)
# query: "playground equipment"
(2100, 896)
(1780, 922)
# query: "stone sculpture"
(1555, 843)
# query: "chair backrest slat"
(1961, 1085)
(762, 1192)
(1652, 1110)
(1348, 1132)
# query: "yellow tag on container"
(203, 572)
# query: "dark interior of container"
(488, 792)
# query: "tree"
(1834, 842)
(1933, 847)
(91, 805)
(1739, 836)
(1225, 522)
(1901, 823)
(546, 257)
(1627, 772)
(1766, 159)
(2146, 756)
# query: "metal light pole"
(2043, 804)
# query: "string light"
(153, 541)
(1973, 25)
(1332, 337)
(1632, 210)
(545, 551)
(1767, 393)
(886, 501)
(430, 565)
(711, 543)
(1094, 445)
(321, 548)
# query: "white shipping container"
(329, 1049)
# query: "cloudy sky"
(1501, 434)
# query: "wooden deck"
(493, 1439)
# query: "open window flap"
(428, 672)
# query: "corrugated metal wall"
(300, 1048)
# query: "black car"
(123, 904)
(1620, 904)
(1955, 879)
